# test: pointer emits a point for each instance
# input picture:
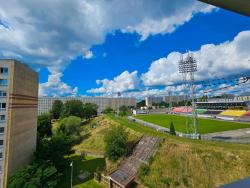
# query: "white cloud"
(56, 87)
(51, 33)
(88, 54)
(231, 57)
(124, 82)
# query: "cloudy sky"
(101, 47)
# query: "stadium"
(225, 117)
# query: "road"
(239, 136)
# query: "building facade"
(151, 100)
(174, 98)
(18, 116)
(45, 103)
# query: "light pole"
(71, 177)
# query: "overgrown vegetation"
(186, 164)
(53, 146)
(109, 110)
(38, 175)
(116, 139)
(57, 109)
(124, 111)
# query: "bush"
(57, 109)
(109, 110)
(70, 126)
(53, 150)
(124, 111)
(44, 125)
(37, 175)
(116, 140)
(89, 110)
(73, 108)
(144, 170)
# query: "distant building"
(18, 116)
(151, 100)
(174, 98)
(225, 103)
(45, 103)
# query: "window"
(1, 155)
(4, 70)
(3, 94)
(2, 117)
(3, 82)
(1, 142)
(3, 105)
(1, 130)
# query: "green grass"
(204, 125)
(80, 163)
(149, 131)
(135, 126)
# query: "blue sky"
(126, 52)
(125, 57)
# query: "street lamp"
(71, 177)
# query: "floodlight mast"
(187, 67)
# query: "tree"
(37, 175)
(57, 109)
(54, 149)
(124, 111)
(89, 110)
(116, 140)
(172, 129)
(73, 108)
(108, 110)
(70, 126)
(44, 125)
(141, 104)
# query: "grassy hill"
(179, 162)
(204, 125)
(182, 162)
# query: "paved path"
(239, 136)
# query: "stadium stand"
(246, 117)
(200, 111)
(182, 109)
(233, 113)
(213, 112)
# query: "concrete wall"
(22, 118)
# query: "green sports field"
(204, 125)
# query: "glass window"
(3, 82)
(1, 155)
(2, 105)
(1, 142)
(3, 70)
(3, 94)
(2, 117)
(1, 129)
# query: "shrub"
(172, 129)
(116, 140)
(144, 170)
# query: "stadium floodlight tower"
(187, 67)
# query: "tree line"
(54, 142)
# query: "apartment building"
(18, 116)
(45, 103)
(151, 100)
